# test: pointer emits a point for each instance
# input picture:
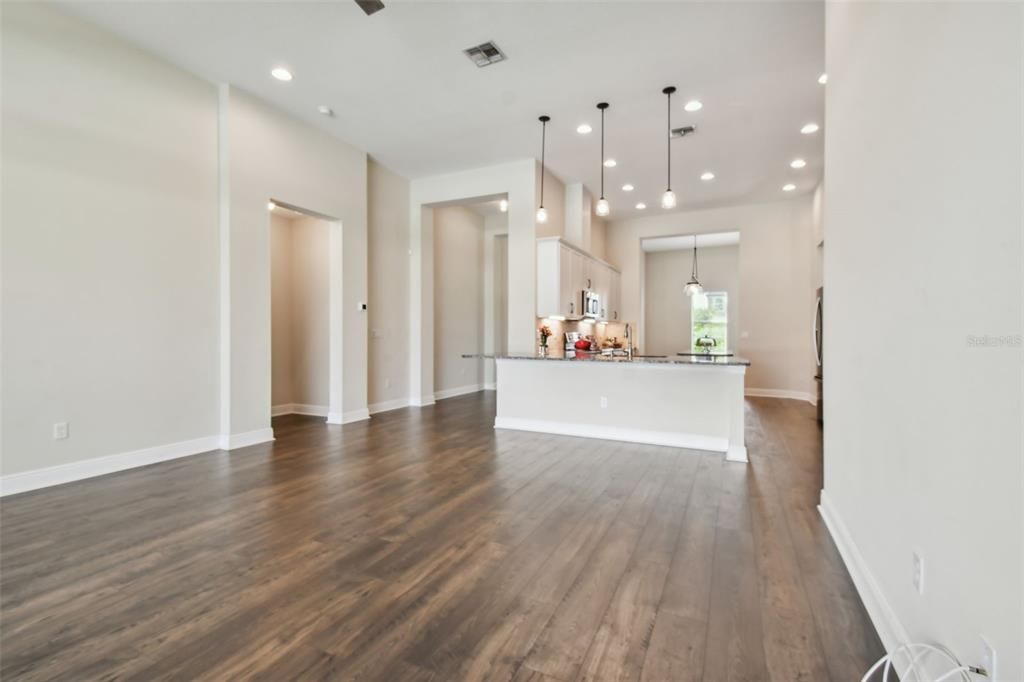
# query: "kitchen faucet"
(629, 342)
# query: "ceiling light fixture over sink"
(693, 287)
(668, 199)
(542, 214)
(602, 208)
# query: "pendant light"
(542, 214)
(693, 287)
(602, 208)
(668, 199)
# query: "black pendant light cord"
(668, 144)
(602, 106)
(543, 143)
(693, 270)
(602, 150)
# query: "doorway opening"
(470, 293)
(676, 322)
(302, 330)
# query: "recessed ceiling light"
(641, 206)
(610, 163)
(823, 78)
(271, 205)
(281, 74)
(325, 110)
(809, 129)
(707, 176)
(788, 188)
(627, 188)
(797, 163)
(584, 129)
(693, 105)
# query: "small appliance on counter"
(571, 338)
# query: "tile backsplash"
(599, 330)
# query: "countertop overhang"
(590, 359)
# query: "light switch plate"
(60, 430)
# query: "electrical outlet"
(604, 402)
(988, 659)
(60, 430)
(918, 573)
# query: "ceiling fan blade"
(370, 6)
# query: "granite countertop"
(589, 357)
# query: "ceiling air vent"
(485, 54)
(370, 6)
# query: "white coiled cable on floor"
(916, 654)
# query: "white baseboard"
(490, 386)
(780, 393)
(388, 405)
(348, 417)
(883, 617)
(89, 468)
(422, 401)
(736, 453)
(668, 438)
(244, 440)
(457, 391)
(298, 408)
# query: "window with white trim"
(709, 319)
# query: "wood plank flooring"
(425, 545)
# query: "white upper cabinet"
(615, 296)
(563, 272)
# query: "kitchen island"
(683, 401)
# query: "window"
(709, 317)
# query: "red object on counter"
(582, 344)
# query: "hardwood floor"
(425, 545)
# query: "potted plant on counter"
(545, 334)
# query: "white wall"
(136, 252)
(776, 261)
(274, 156)
(667, 307)
(458, 298)
(518, 181)
(598, 237)
(495, 288)
(109, 259)
(300, 311)
(388, 216)
(923, 447)
(281, 310)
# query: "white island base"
(678, 403)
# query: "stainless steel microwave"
(591, 304)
